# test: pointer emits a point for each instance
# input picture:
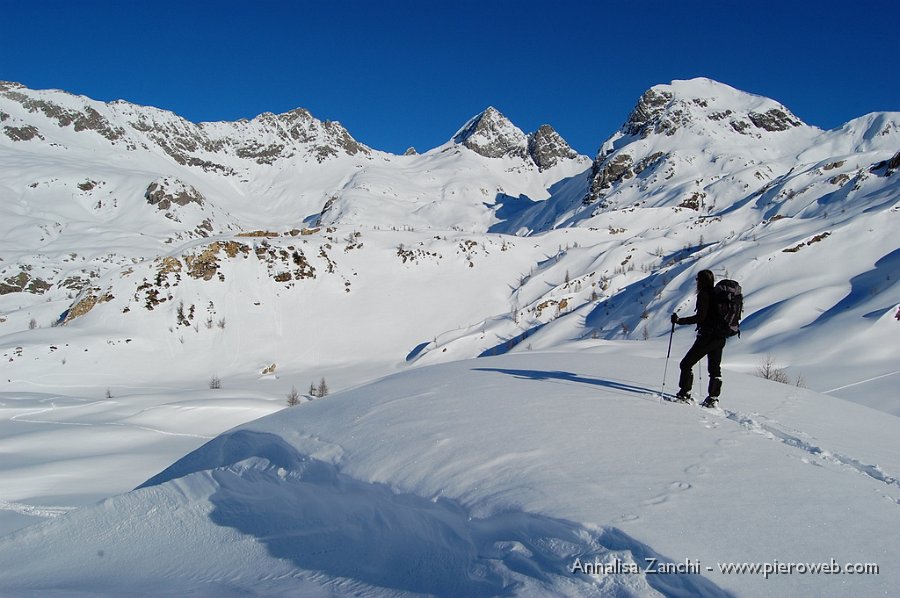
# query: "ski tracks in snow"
(774, 430)
(860, 382)
(33, 510)
(771, 429)
(29, 418)
(33, 416)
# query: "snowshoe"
(684, 397)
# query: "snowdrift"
(525, 474)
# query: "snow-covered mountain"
(143, 256)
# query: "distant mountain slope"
(138, 180)
(48, 116)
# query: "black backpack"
(727, 305)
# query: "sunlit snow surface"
(495, 476)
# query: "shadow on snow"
(307, 512)
(570, 377)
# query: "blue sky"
(399, 73)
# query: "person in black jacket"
(710, 343)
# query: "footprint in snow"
(626, 518)
(673, 489)
(696, 470)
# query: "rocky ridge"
(262, 140)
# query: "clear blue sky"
(400, 73)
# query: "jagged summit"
(492, 135)
(698, 104)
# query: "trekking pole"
(666, 368)
(700, 369)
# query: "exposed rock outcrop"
(547, 148)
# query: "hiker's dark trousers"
(711, 347)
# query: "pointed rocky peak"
(704, 105)
(547, 148)
(492, 135)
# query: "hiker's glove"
(674, 318)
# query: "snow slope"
(496, 476)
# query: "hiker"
(710, 343)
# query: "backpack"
(727, 305)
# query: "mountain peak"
(701, 104)
(492, 135)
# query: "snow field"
(494, 475)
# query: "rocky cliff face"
(646, 116)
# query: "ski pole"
(666, 368)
